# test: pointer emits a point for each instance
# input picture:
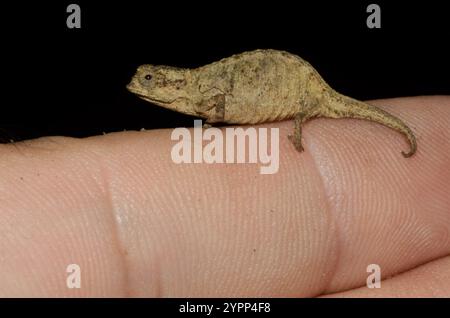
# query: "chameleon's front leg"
(212, 109)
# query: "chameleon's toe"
(297, 143)
(299, 147)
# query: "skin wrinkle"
(57, 179)
(331, 209)
(353, 179)
(333, 197)
(115, 226)
(107, 167)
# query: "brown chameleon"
(256, 87)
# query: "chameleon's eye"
(148, 77)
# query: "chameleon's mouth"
(134, 89)
(144, 94)
(154, 100)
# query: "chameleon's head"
(164, 86)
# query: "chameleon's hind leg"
(307, 111)
(299, 119)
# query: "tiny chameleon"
(256, 87)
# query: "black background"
(60, 81)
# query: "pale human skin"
(139, 225)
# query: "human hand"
(138, 224)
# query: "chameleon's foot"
(296, 138)
(297, 143)
(206, 126)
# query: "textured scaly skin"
(256, 87)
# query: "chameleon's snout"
(133, 87)
(130, 86)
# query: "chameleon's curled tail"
(343, 106)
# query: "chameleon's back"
(259, 86)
